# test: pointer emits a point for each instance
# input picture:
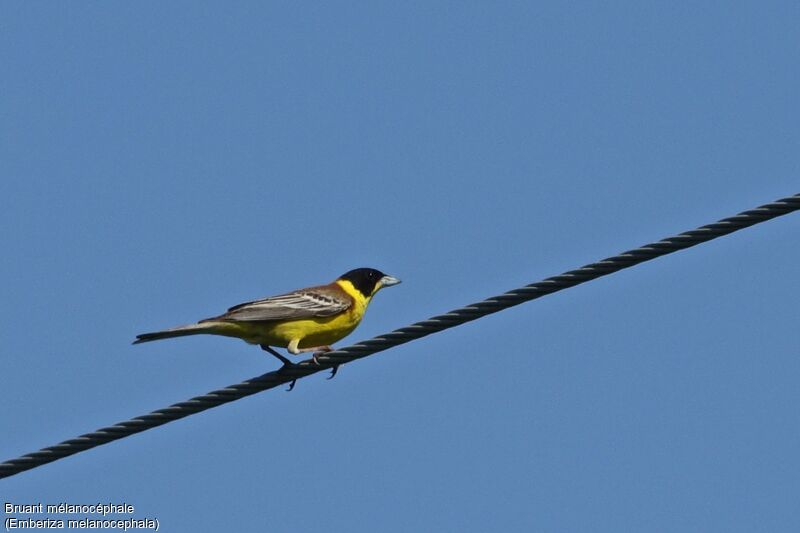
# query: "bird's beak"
(388, 281)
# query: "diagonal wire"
(403, 335)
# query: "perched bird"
(305, 320)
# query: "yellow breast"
(311, 332)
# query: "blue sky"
(163, 161)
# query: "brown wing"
(313, 302)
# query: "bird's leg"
(285, 361)
(318, 350)
(282, 359)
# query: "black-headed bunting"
(305, 320)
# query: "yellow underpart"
(309, 332)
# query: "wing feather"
(305, 303)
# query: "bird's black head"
(368, 281)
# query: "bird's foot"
(322, 350)
(286, 366)
(334, 370)
(286, 363)
(291, 385)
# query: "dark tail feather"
(180, 331)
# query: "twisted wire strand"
(401, 336)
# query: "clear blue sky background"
(163, 161)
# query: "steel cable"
(402, 335)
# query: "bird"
(304, 320)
